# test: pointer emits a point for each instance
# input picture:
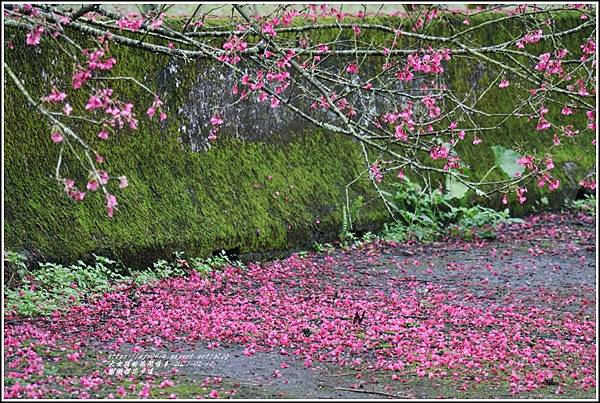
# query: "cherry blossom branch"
(392, 97)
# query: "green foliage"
(427, 215)
(181, 266)
(350, 212)
(507, 160)
(354, 242)
(303, 254)
(53, 286)
(477, 221)
(206, 265)
(160, 270)
(347, 239)
(14, 260)
(369, 237)
(323, 247)
(14, 265)
(420, 213)
(455, 189)
(587, 205)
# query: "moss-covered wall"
(274, 192)
(251, 196)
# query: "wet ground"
(507, 317)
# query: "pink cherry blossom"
(57, 137)
(589, 48)
(92, 185)
(438, 152)
(103, 134)
(132, 21)
(103, 177)
(55, 96)
(283, 307)
(67, 109)
(553, 183)
(80, 77)
(531, 37)
(588, 183)
(216, 121)
(157, 22)
(376, 172)
(33, 37)
(521, 194)
(111, 204)
(77, 195)
(400, 134)
(94, 103)
(352, 68)
(269, 29)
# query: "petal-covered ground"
(513, 316)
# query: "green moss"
(177, 199)
(183, 388)
(222, 198)
(449, 389)
(181, 200)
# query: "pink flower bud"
(92, 185)
(56, 137)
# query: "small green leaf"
(506, 159)
(455, 189)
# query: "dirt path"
(508, 317)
